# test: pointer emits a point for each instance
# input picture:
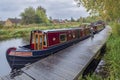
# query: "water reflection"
(4, 45)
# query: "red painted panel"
(74, 35)
(53, 38)
(83, 32)
(69, 35)
(44, 47)
(32, 46)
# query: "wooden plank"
(17, 78)
(33, 73)
(38, 44)
(42, 41)
(8, 78)
(34, 41)
(43, 74)
(23, 77)
(4, 78)
(65, 69)
(79, 59)
(43, 70)
(0, 78)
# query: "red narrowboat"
(44, 43)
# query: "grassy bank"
(24, 30)
(112, 57)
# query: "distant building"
(55, 21)
(12, 22)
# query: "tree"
(107, 9)
(37, 19)
(72, 19)
(50, 18)
(41, 13)
(28, 16)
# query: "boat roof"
(54, 30)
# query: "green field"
(24, 30)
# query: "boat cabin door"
(38, 41)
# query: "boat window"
(38, 41)
(36, 36)
(63, 37)
(45, 40)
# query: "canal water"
(4, 45)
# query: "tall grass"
(112, 57)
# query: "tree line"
(31, 15)
(107, 9)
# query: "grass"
(112, 57)
(24, 30)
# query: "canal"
(4, 45)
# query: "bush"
(116, 28)
(1, 26)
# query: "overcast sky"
(57, 9)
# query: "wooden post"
(39, 41)
(42, 41)
(34, 41)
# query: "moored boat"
(44, 43)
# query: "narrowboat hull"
(17, 62)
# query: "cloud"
(55, 8)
